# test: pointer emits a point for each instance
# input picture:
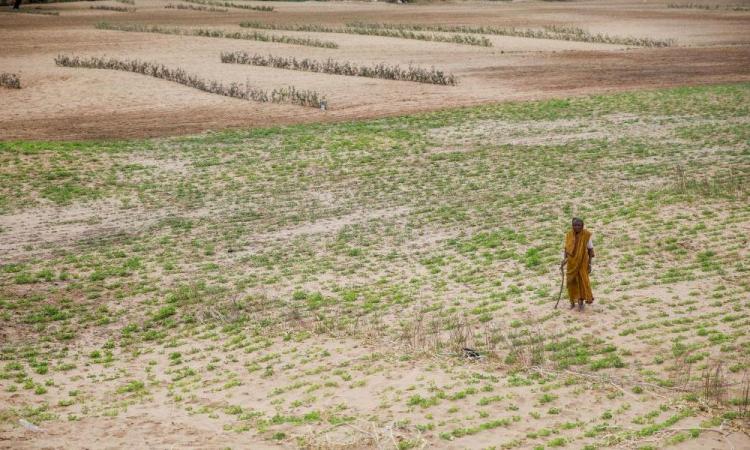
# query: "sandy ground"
(63, 103)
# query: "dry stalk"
(714, 387)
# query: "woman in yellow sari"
(579, 250)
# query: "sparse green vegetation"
(266, 280)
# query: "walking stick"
(562, 284)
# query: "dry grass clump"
(235, 90)
(549, 32)
(255, 36)
(10, 80)
(386, 72)
(373, 31)
(113, 8)
(231, 5)
(194, 7)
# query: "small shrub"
(607, 362)
(133, 386)
(10, 80)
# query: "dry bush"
(194, 7)
(714, 384)
(397, 33)
(202, 32)
(454, 336)
(112, 8)
(549, 32)
(10, 80)
(284, 95)
(682, 371)
(744, 403)
(383, 71)
(231, 5)
(526, 348)
(434, 335)
(358, 436)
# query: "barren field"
(294, 277)
(709, 46)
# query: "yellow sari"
(577, 274)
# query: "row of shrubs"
(548, 32)
(231, 5)
(235, 90)
(255, 36)
(56, 1)
(397, 33)
(195, 7)
(43, 12)
(707, 7)
(417, 74)
(10, 80)
(113, 8)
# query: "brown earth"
(63, 103)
